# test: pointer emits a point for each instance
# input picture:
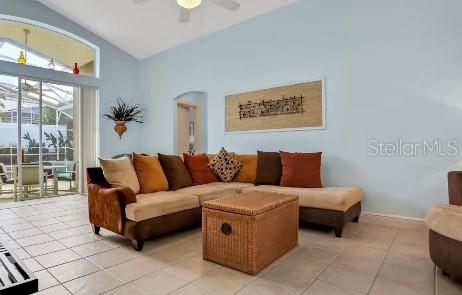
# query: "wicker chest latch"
(226, 228)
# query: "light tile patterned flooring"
(375, 256)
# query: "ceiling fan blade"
(184, 15)
(227, 4)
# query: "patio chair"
(70, 175)
(5, 178)
(30, 178)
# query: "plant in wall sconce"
(123, 113)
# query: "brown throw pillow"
(176, 172)
(150, 174)
(301, 169)
(269, 168)
(225, 166)
(120, 173)
(199, 169)
(248, 171)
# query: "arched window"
(46, 47)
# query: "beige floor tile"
(409, 249)
(93, 248)
(322, 240)
(56, 258)
(17, 226)
(322, 255)
(12, 245)
(21, 253)
(412, 237)
(34, 240)
(191, 290)
(72, 270)
(326, 288)
(95, 283)
(56, 290)
(65, 233)
(375, 239)
(32, 264)
(25, 233)
(447, 286)
(136, 268)
(78, 240)
(360, 258)
(113, 257)
(190, 269)
(45, 279)
(385, 287)
(295, 273)
(349, 278)
(44, 248)
(157, 283)
(123, 290)
(223, 281)
(46, 221)
(54, 227)
(263, 286)
(414, 275)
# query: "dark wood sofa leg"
(338, 231)
(138, 244)
(356, 219)
(95, 229)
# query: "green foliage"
(125, 112)
(32, 143)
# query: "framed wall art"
(291, 107)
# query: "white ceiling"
(151, 27)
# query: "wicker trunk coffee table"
(249, 231)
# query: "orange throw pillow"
(248, 170)
(150, 174)
(301, 169)
(199, 169)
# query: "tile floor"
(376, 256)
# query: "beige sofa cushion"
(158, 204)
(330, 198)
(445, 220)
(214, 190)
(120, 173)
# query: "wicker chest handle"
(226, 228)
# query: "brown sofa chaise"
(144, 216)
(444, 223)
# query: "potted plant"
(123, 113)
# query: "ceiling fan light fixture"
(189, 4)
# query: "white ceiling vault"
(152, 26)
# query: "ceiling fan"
(187, 5)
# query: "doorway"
(39, 148)
(190, 123)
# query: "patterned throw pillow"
(225, 166)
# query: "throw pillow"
(269, 168)
(176, 172)
(301, 169)
(248, 171)
(150, 174)
(225, 166)
(199, 169)
(120, 173)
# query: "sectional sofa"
(143, 216)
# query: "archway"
(190, 122)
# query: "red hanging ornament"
(76, 70)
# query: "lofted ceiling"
(152, 26)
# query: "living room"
(146, 143)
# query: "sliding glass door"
(38, 150)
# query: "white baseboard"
(405, 218)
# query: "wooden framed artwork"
(291, 107)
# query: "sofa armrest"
(455, 187)
(106, 206)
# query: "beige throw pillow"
(120, 173)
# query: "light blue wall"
(393, 70)
(119, 71)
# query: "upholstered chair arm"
(455, 187)
(106, 206)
